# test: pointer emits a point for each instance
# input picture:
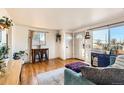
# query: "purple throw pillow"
(76, 66)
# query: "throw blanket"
(108, 76)
(76, 66)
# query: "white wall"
(20, 40)
(61, 48)
(3, 12)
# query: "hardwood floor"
(29, 70)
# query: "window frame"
(44, 38)
(109, 27)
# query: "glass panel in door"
(69, 45)
(79, 46)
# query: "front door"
(69, 45)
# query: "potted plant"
(3, 55)
(58, 37)
(5, 22)
(19, 55)
(3, 52)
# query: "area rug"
(54, 77)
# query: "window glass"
(117, 37)
(109, 39)
(0, 36)
(3, 37)
(39, 38)
(100, 39)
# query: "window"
(117, 37)
(39, 39)
(3, 37)
(110, 38)
(0, 36)
(100, 38)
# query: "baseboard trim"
(79, 59)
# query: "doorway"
(69, 45)
(79, 45)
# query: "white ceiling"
(65, 18)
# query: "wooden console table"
(40, 54)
